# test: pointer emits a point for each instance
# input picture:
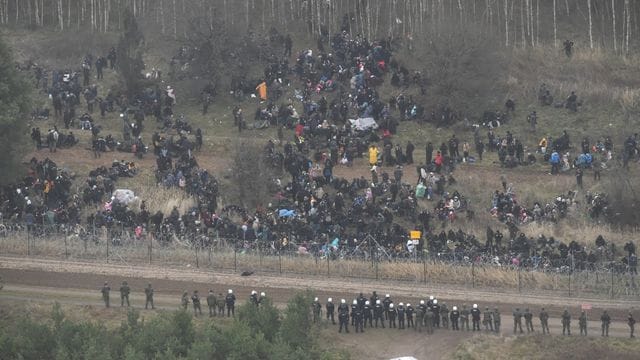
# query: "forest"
(513, 23)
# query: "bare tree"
(613, 21)
(555, 26)
(590, 25)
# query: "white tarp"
(124, 196)
(362, 124)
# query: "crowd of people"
(375, 311)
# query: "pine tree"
(15, 103)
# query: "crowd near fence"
(208, 252)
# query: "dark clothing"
(230, 300)
(148, 292)
(330, 312)
(475, 318)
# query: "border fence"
(214, 253)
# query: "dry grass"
(547, 348)
(221, 257)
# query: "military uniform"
(528, 320)
(220, 303)
(195, 300)
(330, 311)
(582, 322)
(185, 300)
(632, 324)
(429, 317)
(606, 321)
(566, 322)
(496, 320)
(444, 316)
(464, 318)
(343, 316)
(211, 303)
(148, 292)
(517, 321)
(401, 316)
(358, 316)
(124, 293)
(544, 321)
(487, 321)
(420, 314)
(105, 294)
(385, 303)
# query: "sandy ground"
(78, 283)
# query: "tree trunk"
(613, 22)
(524, 37)
(175, 21)
(590, 25)
(162, 28)
(506, 23)
(555, 26)
(628, 34)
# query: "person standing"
(579, 174)
(409, 153)
(517, 321)
(185, 300)
(220, 302)
(410, 312)
(316, 307)
(330, 311)
(475, 317)
(148, 292)
(105, 294)
(566, 322)
(343, 316)
(496, 320)
(606, 321)
(454, 317)
(464, 317)
(378, 313)
(124, 293)
(230, 300)
(582, 322)
(392, 314)
(401, 315)
(544, 321)
(211, 303)
(429, 153)
(528, 320)
(632, 324)
(195, 300)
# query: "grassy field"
(547, 348)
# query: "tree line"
(609, 24)
(256, 333)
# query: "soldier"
(566, 322)
(385, 303)
(330, 311)
(454, 316)
(496, 320)
(185, 300)
(262, 298)
(105, 294)
(544, 321)
(606, 320)
(373, 298)
(420, 316)
(475, 317)
(361, 300)
(486, 320)
(435, 309)
(195, 300)
(124, 293)
(464, 317)
(444, 315)
(211, 303)
(410, 312)
(378, 313)
(357, 315)
(528, 320)
(517, 321)
(148, 292)
(582, 322)
(632, 324)
(220, 303)
(429, 317)
(343, 316)
(367, 313)
(230, 300)
(316, 306)
(392, 316)
(401, 316)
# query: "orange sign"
(415, 234)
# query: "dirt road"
(78, 283)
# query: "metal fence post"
(612, 283)
(196, 250)
(150, 248)
(28, 244)
(235, 258)
(280, 260)
(328, 272)
(473, 274)
(108, 241)
(519, 281)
